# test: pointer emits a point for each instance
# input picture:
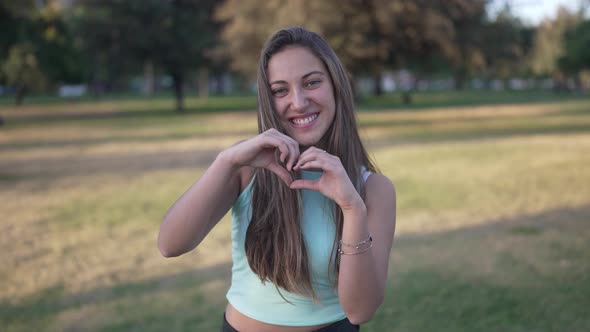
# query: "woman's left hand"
(334, 182)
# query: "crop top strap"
(366, 174)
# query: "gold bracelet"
(341, 252)
(359, 244)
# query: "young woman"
(312, 220)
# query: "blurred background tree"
(36, 47)
(133, 35)
(21, 69)
(507, 44)
(575, 60)
(370, 36)
(548, 46)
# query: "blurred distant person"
(312, 219)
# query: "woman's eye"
(279, 91)
(313, 83)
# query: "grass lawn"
(493, 215)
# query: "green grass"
(163, 103)
(162, 98)
(430, 99)
(493, 217)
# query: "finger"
(306, 157)
(293, 156)
(305, 184)
(284, 155)
(293, 148)
(269, 140)
(284, 149)
(314, 164)
(313, 150)
(286, 158)
(280, 172)
(287, 146)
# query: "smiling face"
(303, 94)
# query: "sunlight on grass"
(452, 185)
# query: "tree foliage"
(174, 35)
(576, 55)
(548, 45)
(21, 69)
(36, 41)
(506, 45)
(368, 35)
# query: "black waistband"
(343, 325)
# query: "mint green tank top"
(262, 301)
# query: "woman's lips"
(301, 122)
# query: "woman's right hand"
(259, 152)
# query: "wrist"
(225, 157)
(356, 207)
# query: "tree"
(174, 35)
(246, 25)
(577, 48)
(59, 58)
(368, 35)
(21, 70)
(506, 42)
(548, 41)
(465, 53)
(576, 57)
(35, 50)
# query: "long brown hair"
(275, 246)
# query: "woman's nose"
(299, 100)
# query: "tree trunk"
(577, 82)
(377, 78)
(459, 81)
(177, 82)
(376, 36)
(21, 91)
(406, 98)
(148, 78)
(203, 85)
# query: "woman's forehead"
(293, 63)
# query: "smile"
(304, 121)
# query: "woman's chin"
(306, 145)
(309, 141)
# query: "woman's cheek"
(279, 107)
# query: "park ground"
(493, 224)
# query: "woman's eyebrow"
(303, 77)
(311, 73)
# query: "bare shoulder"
(379, 185)
(380, 195)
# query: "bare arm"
(200, 208)
(363, 277)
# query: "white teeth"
(304, 120)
